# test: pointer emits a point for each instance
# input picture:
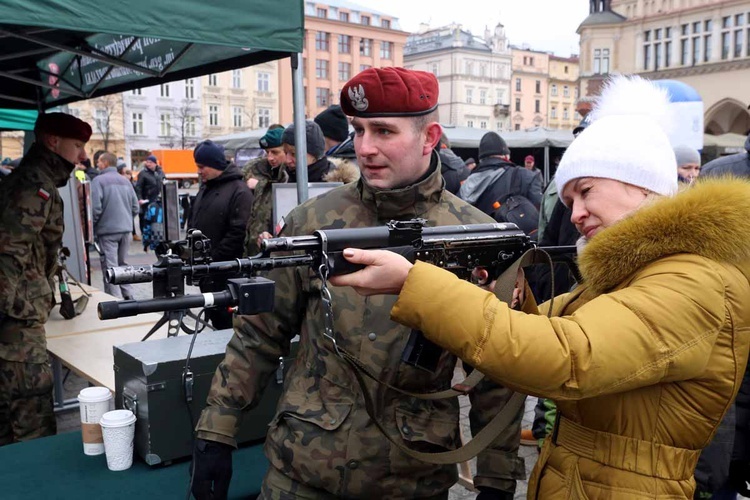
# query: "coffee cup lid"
(117, 418)
(94, 395)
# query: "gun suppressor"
(129, 274)
(120, 309)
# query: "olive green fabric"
(175, 39)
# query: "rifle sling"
(485, 437)
(73, 278)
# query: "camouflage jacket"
(321, 434)
(261, 215)
(31, 230)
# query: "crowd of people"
(636, 366)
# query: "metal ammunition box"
(151, 380)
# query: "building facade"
(473, 74)
(341, 39)
(166, 116)
(240, 99)
(11, 144)
(563, 93)
(703, 43)
(529, 88)
(105, 115)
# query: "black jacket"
(558, 232)
(149, 184)
(315, 171)
(453, 169)
(737, 165)
(344, 150)
(221, 210)
(732, 439)
(483, 197)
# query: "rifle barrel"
(123, 308)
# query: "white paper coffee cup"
(118, 430)
(94, 402)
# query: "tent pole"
(546, 165)
(299, 128)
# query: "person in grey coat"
(114, 204)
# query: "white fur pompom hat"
(627, 140)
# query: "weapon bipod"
(175, 320)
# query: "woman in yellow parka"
(646, 356)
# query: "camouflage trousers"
(26, 407)
(277, 486)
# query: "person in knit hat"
(321, 419)
(274, 158)
(261, 174)
(646, 355)
(317, 164)
(496, 179)
(688, 163)
(31, 234)
(221, 211)
(335, 126)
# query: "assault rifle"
(459, 249)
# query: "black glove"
(493, 494)
(211, 470)
(739, 476)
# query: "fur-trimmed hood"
(711, 219)
(345, 171)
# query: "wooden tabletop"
(85, 343)
(91, 355)
(89, 321)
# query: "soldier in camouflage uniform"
(31, 229)
(263, 173)
(322, 443)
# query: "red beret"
(390, 92)
(63, 125)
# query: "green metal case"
(149, 381)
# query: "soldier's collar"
(54, 166)
(410, 201)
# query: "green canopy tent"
(54, 52)
(58, 51)
(17, 119)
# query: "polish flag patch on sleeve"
(43, 194)
(279, 226)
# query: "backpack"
(517, 209)
(153, 227)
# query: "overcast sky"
(543, 24)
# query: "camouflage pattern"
(26, 407)
(321, 435)
(261, 215)
(31, 229)
(277, 486)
